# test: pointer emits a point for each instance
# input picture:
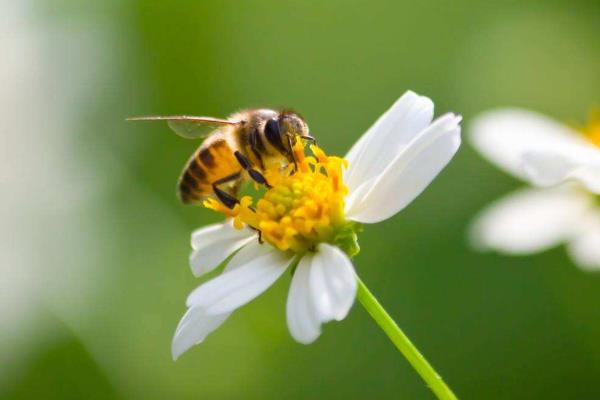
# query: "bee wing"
(189, 127)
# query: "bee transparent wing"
(189, 127)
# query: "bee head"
(285, 129)
(292, 124)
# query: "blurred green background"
(95, 242)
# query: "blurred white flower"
(391, 164)
(47, 259)
(564, 163)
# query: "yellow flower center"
(303, 207)
(592, 130)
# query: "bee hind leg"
(229, 200)
(259, 232)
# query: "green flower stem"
(403, 343)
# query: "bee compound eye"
(273, 134)
(272, 128)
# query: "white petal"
(408, 174)
(250, 272)
(301, 315)
(193, 329)
(584, 248)
(504, 136)
(214, 243)
(530, 220)
(549, 168)
(323, 289)
(391, 133)
(332, 283)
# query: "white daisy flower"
(309, 220)
(564, 163)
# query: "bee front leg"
(254, 174)
(289, 138)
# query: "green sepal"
(347, 238)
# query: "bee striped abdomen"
(212, 161)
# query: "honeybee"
(234, 150)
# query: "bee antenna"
(309, 139)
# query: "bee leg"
(227, 199)
(289, 138)
(260, 239)
(256, 145)
(254, 174)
